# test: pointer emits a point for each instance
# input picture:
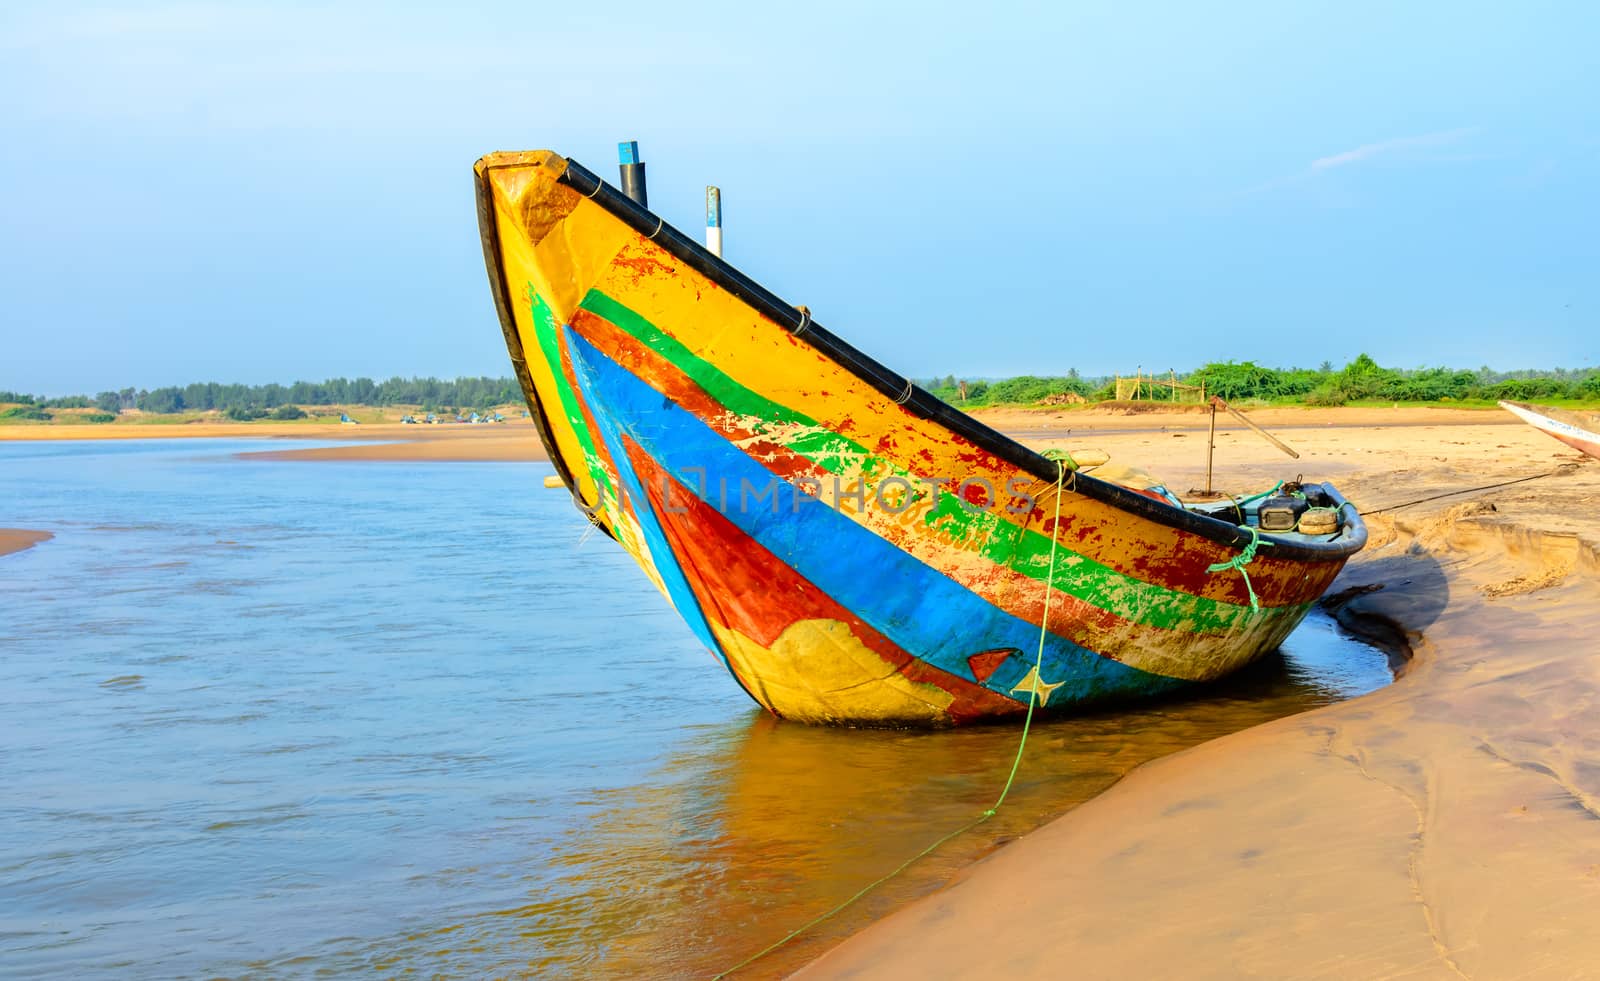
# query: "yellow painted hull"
(853, 550)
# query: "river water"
(278, 718)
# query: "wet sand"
(17, 539)
(1445, 826)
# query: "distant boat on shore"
(853, 549)
(1579, 430)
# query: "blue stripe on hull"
(666, 562)
(920, 609)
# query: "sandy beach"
(17, 539)
(1443, 826)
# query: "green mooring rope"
(1240, 501)
(1038, 661)
(1243, 559)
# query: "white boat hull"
(1570, 433)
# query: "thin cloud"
(1385, 147)
(1367, 151)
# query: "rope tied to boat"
(1561, 471)
(1244, 558)
(1027, 723)
(1061, 458)
(1044, 632)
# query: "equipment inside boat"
(1281, 512)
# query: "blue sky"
(228, 192)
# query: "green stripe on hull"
(998, 540)
(544, 329)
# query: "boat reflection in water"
(760, 825)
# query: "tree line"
(432, 394)
(1361, 379)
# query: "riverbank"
(1443, 826)
(17, 539)
(517, 440)
(508, 441)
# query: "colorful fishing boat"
(1579, 430)
(852, 549)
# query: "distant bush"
(25, 412)
(288, 412)
(1300, 381)
(1028, 388)
(1427, 385)
(1024, 389)
(239, 413)
(98, 417)
(67, 402)
(1364, 378)
(1523, 389)
(1245, 380)
(16, 397)
(1328, 394)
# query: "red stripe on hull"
(742, 585)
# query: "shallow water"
(284, 718)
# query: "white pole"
(714, 220)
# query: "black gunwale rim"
(892, 385)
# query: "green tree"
(1363, 378)
(162, 401)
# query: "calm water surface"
(279, 718)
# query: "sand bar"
(1446, 826)
(508, 441)
(17, 539)
(456, 443)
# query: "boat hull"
(852, 551)
(1570, 430)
